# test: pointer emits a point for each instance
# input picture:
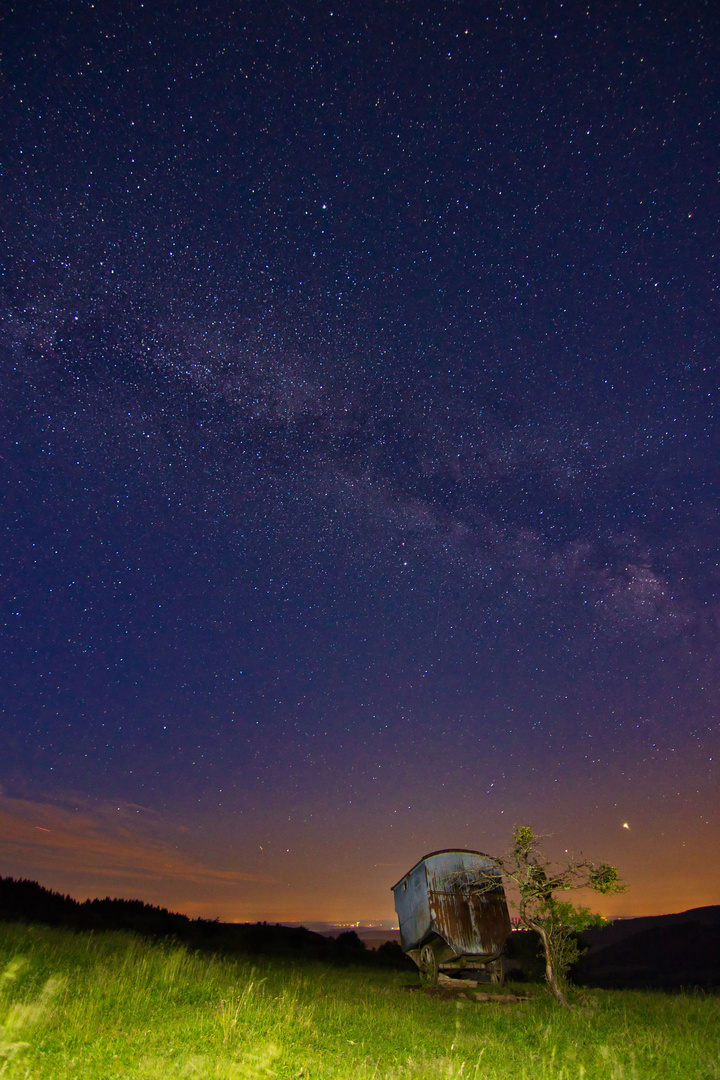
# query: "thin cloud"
(109, 844)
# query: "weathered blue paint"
(436, 903)
(412, 903)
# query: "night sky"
(359, 377)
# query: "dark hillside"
(664, 952)
(599, 937)
(28, 902)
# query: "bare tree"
(556, 921)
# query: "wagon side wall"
(413, 909)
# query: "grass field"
(106, 1006)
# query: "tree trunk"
(550, 973)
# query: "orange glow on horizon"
(127, 851)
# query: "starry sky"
(359, 446)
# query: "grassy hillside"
(110, 1005)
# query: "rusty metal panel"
(439, 898)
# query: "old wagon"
(453, 914)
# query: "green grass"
(107, 1006)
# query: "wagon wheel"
(495, 970)
(428, 965)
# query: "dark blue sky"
(359, 446)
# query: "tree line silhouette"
(26, 901)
